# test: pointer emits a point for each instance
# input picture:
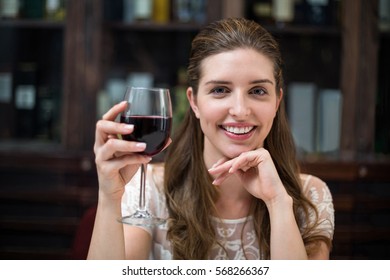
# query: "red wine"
(152, 130)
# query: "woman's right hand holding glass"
(116, 160)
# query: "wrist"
(109, 201)
(282, 202)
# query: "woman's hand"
(256, 171)
(117, 160)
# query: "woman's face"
(236, 102)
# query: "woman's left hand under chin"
(256, 171)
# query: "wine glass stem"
(142, 190)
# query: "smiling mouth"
(238, 130)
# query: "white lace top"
(238, 235)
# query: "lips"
(238, 130)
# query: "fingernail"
(141, 145)
(212, 167)
(129, 126)
(216, 182)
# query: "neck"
(234, 201)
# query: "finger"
(220, 166)
(244, 162)
(115, 164)
(118, 147)
(108, 129)
(114, 111)
(167, 144)
(220, 161)
(222, 177)
(107, 126)
(114, 128)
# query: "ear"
(279, 99)
(192, 100)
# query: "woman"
(230, 184)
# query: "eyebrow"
(261, 81)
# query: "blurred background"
(63, 63)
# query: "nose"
(240, 105)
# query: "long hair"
(189, 192)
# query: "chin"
(236, 152)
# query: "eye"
(258, 91)
(219, 91)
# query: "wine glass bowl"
(153, 130)
(150, 111)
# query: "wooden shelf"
(57, 161)
(348, 171)
(155, 27)
(65, 226)
(66, 196)
(35, 254)
(304, 30)
(32, 24)
(361, 234)
(296, 30)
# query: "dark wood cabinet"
(55, 176)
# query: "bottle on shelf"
(261, 10)
(5, 86)
(9, 9)
(55, 10)
(128, 11)
(189, 10)
(46, 113)
(143, 10)
(25, 96)
(32, 9)
(161, 11)
(384, 15)
(283, 11)
(318, 12)
(6, 109)
(182, 10)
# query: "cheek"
(266, 115)
(266, 111)
(208, 117)
(209, 113)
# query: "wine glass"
(150, 111)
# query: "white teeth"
(238, 130)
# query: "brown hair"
(189, 192)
